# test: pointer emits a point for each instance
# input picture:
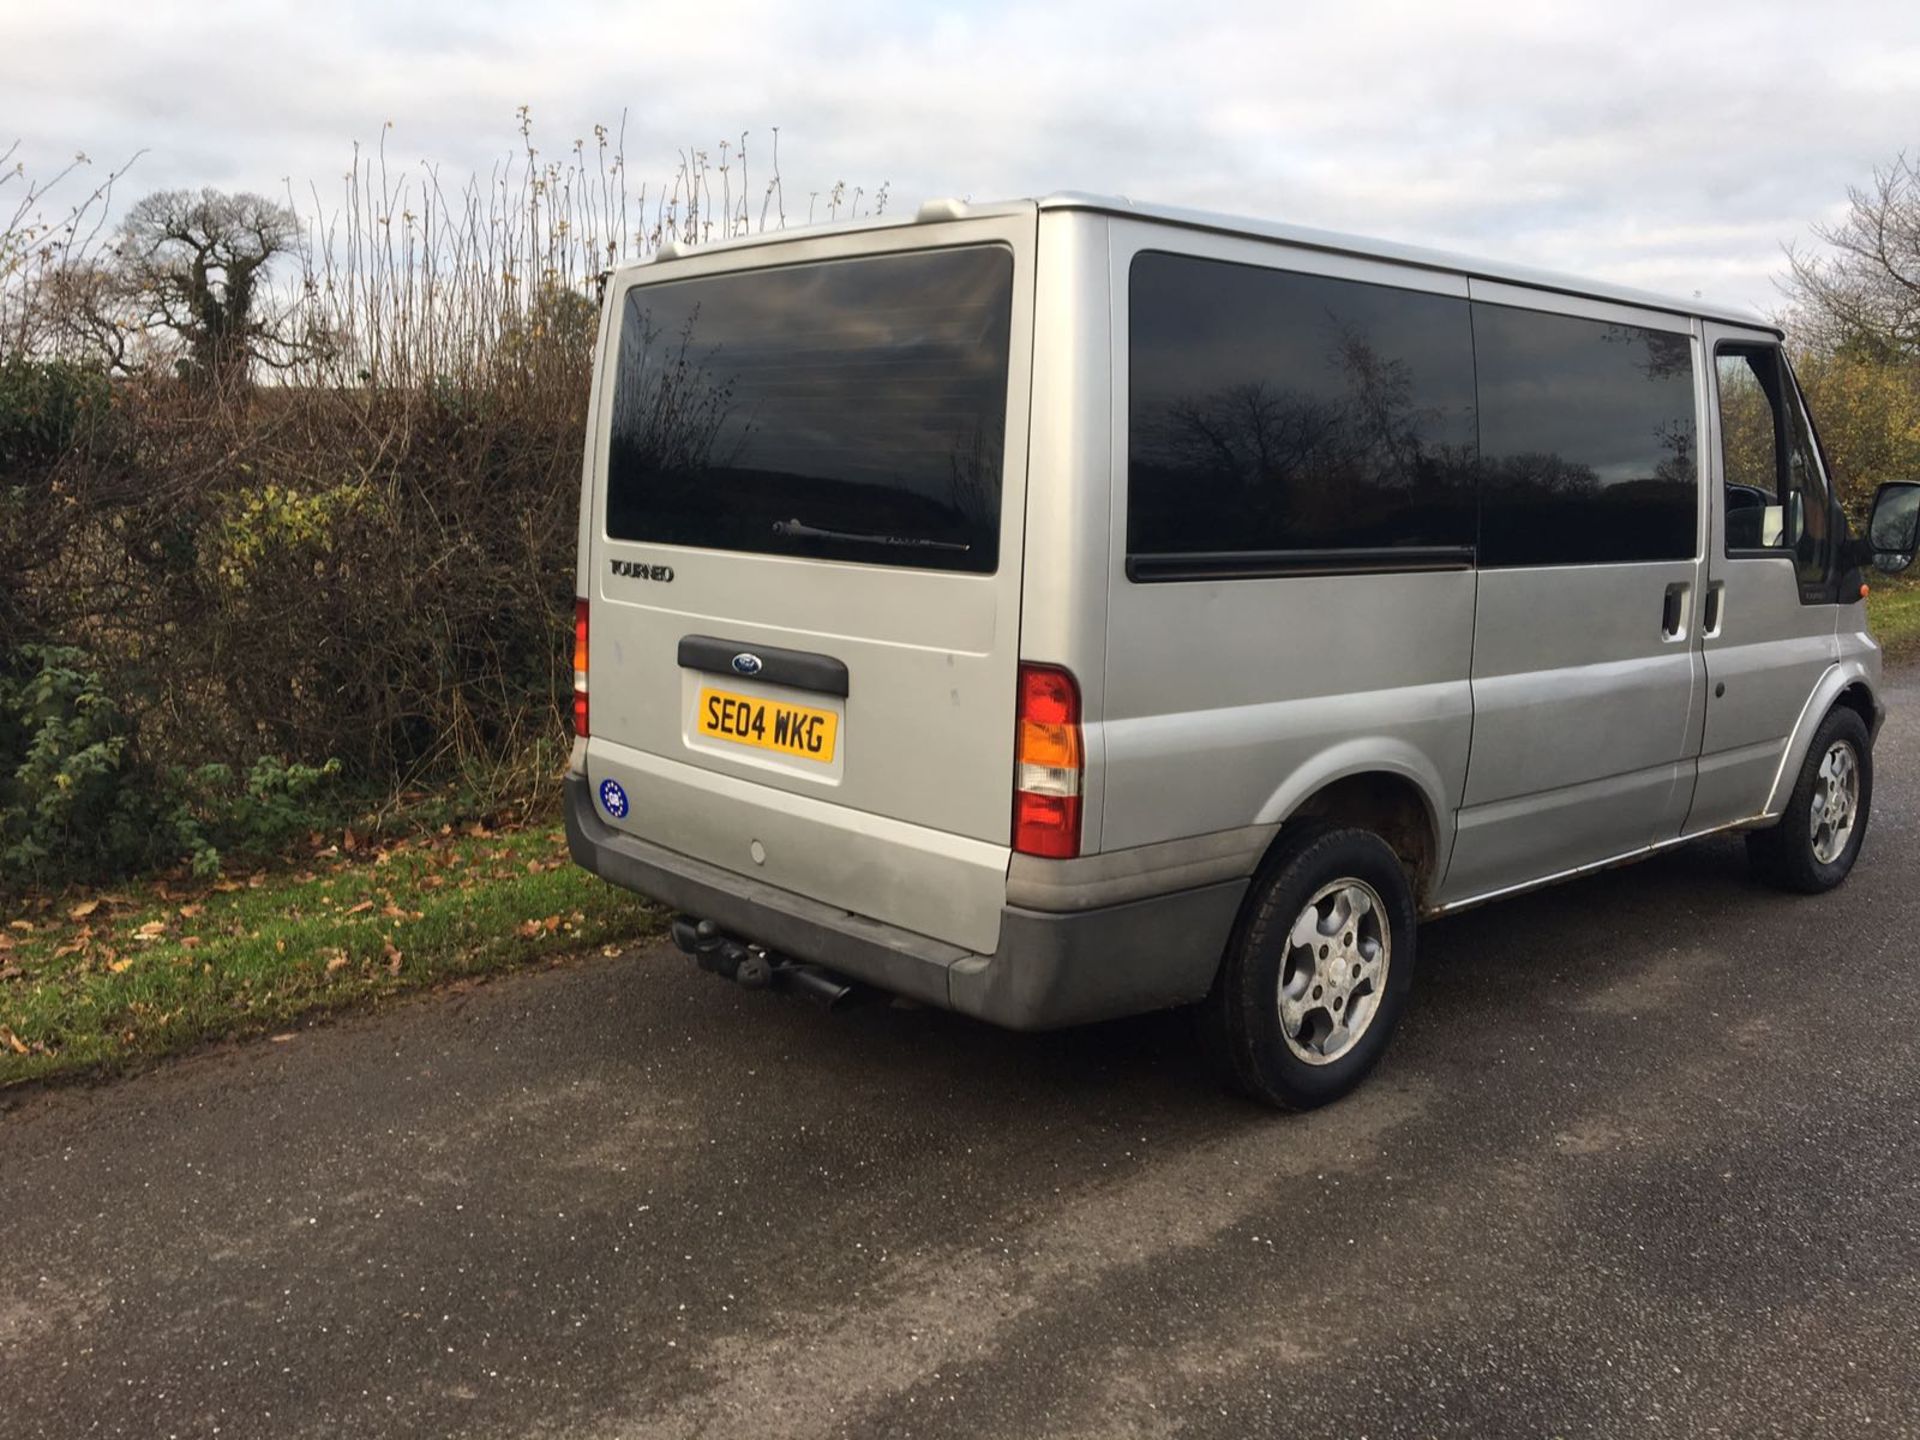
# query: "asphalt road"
(1643, 1160)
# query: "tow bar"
(754, 967)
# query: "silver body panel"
(1585, 722)
(1544, 717)
(1229, 702)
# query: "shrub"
(211, 817)
(69, 797)
(46, 408)
(77, 801)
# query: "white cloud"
(1674, 146)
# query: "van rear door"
(805, 563)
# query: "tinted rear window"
(1294, 417)
(845, 410)
(1586, 440)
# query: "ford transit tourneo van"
(1062, 609)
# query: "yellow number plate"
(798, 730)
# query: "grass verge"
(1893, 614)
(97, 980)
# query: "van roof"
(1303, 236)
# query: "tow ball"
(754, 967)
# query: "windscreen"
(844, 410)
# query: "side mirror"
(1893, 528)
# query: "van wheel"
(1317, 972)
(1814, 845)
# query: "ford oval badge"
(746, 663)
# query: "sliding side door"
(1587, 674)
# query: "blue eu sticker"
(614, 798)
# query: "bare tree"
(195, 264)
(47, 260)
(1866, 294)
(85, 313)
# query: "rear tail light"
(1048, 764)
(580, 668)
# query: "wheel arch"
(1848, 685)
(1858, 697)
(1397, 796)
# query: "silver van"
(1068, 608)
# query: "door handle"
(1716, 603)
(1673, 612)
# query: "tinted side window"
(1283, 418)
(1775, 496)
(1586, 440)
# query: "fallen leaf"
(191, 942)
(612, 952)
(393, 911)
(478, 831)
(82, 910)
(187, 912)
(152, 930)
(282, 1039)
(393, 956)
(279, 947)
(336, 961)
(226, 887)
(349, 842)
(120, 967)
(6, 941)
(25, 926)
(12, 1041)
(530, 929)
(360, 909)
(65, 950)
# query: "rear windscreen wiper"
(800, 530)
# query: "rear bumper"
(1048, 970)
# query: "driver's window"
(1775, 497)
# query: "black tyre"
(1317, 971)
(1814, 845)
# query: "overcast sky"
(1674, 145)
